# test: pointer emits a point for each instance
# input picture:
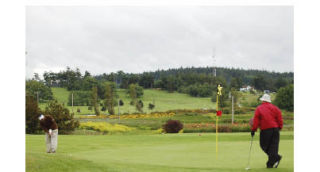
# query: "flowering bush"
(192, 111)
(158, 131)
(105, 127)
(131, 116)
(210, 127)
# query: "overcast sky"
(137, 39)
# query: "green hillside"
(163, 100)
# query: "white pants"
(52, 141)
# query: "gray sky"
(135, 39)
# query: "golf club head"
(248, 168)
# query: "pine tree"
(109, 102)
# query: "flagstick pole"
(217, 119)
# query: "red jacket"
(267, 116)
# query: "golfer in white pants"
(51, 129)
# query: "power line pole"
(232, 109)
(38, 97)
(118, 112)
(72, 101)
(115, 80)
(214, 62)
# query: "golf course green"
(154, 152)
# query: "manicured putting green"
(163, 152)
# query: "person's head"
(266, 98)
(41, 117)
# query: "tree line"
(198, 82)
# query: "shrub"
(244, 110)
(224, 128)
(240, 128)
(227, 111)
(62, 116)
(172, 126)
(207, 127)
(158, 131)
(103, 108)
(105, 127)
(284, 98)
(139, 106)
(121, 103)
(32, 114)
(151, 106)
(78, 110)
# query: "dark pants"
(269, 142)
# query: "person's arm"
(279, 118)
(43, 127)
(256, 121)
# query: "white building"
(246, 88)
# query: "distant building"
(246, 88)
(55, 83)
(266, 91)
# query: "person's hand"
(252, 133)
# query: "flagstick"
(217, 137)
(217, 120)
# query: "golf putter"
(248, 166)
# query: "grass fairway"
(163, 152)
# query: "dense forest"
(194, 81)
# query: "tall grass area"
(158, 153)
(163, 101)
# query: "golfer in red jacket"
(268, 118)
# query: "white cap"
(41, 117)
(266, 98)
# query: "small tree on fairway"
(151, 106)
(94, 100)
(121, 102)
(103, 108)
(65, 121)
(132, 92)
(109, 102)
(139, 106)
(32, 114)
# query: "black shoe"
(278, 162)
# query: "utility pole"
(214, 62)
(38, 97)
(118, 112)
(72, 101)
(115, 80)
(232, 110)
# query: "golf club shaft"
(250, 152)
